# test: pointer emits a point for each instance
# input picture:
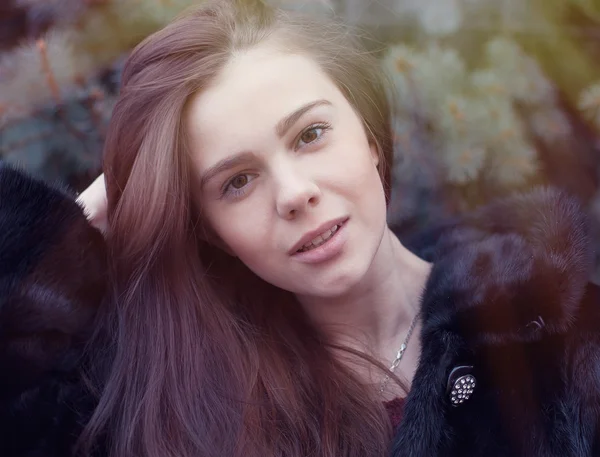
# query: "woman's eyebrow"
(287, 122)
(225, 164)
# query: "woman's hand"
(94, 203)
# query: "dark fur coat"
(52, 281)
(507, 305)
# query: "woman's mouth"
(320, 239)
(325, 246)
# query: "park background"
(494, 96)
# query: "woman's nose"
(296, 193)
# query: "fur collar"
(511, 269)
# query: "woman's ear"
(374, 149)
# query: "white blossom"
(513, 164)
(423, 80)
(400, 63)
(440, 17)
(550, 124)
(521, 74)
(487, 82)
(499, 121)
(438, 72)
(460, 116)
(504, 52)
(463, 161)
(589, 102)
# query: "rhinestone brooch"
(461, 385)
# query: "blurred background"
(494, 96)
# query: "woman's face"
(283, 160)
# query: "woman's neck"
(378, 311)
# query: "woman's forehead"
(260, 80)
(254, 92)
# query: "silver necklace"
(400, 353)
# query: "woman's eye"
(312, 134)
(239, 181)
(237, 186)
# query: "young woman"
(262, 306)
(248, 168)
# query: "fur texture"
(509, 296)
(52, 268)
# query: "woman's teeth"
(320, 239)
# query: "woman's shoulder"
(52, 284)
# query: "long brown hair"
(209, 360)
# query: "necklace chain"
(400, 352)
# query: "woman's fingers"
(94, 203)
